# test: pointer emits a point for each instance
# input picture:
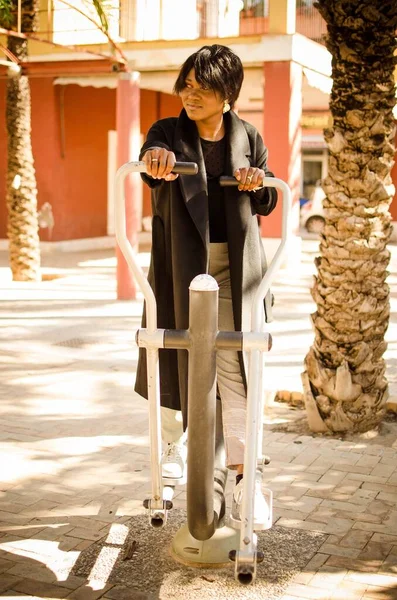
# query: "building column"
(128, 147)
(282, 136)
(282, 16)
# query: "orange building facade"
(70, 126)
(74, 129)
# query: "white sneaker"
(262, 507)
(173, 461)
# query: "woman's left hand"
(250, 178)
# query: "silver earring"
(226, 107)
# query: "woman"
(199, 227)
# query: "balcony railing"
(148, 20)
(310, 23)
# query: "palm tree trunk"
(21, 194)
(344, 382)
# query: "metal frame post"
(203, 328)
(157, 505)
(156, 511)
(245, 568)
(202, 340)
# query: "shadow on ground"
(150, 569)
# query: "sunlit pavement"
(74, 442)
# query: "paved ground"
(74, 444)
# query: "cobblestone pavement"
(74, 443)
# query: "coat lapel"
(238, 148)
(237, 204)
(238, 212)
(187, 148)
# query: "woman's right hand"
(159, 163)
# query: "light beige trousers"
(229, 378)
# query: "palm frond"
(98, 5)
(6, 16)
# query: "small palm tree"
(345, 384)
(21, 188)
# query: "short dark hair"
(216, 67)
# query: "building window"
(145, 20)
(314, 170)
(256, 8)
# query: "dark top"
(214, 160)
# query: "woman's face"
(200, 104)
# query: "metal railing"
(310, 23)
(128, 20)
(202, 339)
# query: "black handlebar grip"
(228, 181)
(185, 168)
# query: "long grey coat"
(180, 239)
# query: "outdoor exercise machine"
(205, 540)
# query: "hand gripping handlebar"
(180, 168)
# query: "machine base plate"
(208, 553)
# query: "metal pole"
(156, 503)
(203, 328)
(151, 318)
(246, 557)
(220, 471)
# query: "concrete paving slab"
(74, 446)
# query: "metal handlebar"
(257, 304)
(245, 557)
(180, 168)
(157, 505)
